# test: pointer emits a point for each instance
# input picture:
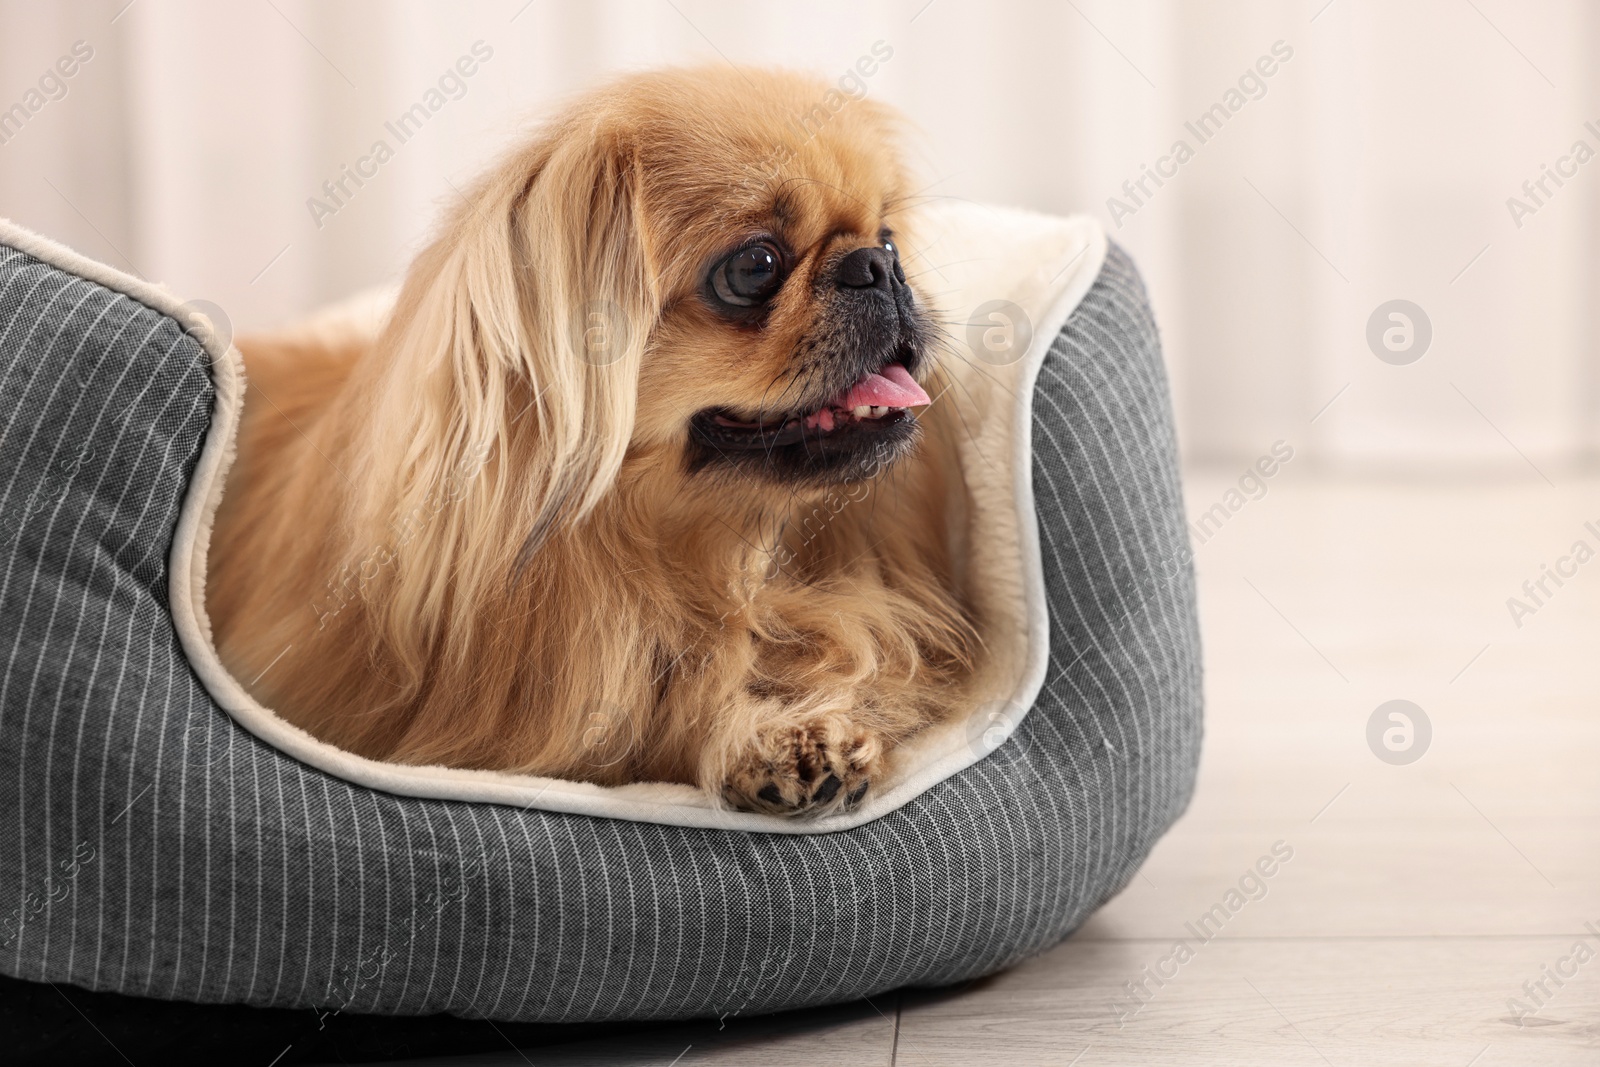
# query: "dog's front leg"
(807, 757)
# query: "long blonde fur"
(474, 540)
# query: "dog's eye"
(749, 276)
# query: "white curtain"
(1374, 163)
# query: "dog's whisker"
(826, 185)
(938, 268)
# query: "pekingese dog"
(640, 481)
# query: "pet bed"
(166, 836)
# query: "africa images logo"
(1399, 732)
(1250, 887)
(451, 85)
(51, 86)
(1252, 85)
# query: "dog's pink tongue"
(892, 388)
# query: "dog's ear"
(590, 301)
(513, 362)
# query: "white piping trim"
(1044, 265)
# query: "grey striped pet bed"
(157, 841)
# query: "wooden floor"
(1419, 900)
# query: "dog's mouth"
(874, 404)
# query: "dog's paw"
(821, 764)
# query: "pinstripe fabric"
(148, 845)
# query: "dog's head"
(789, 339)
(698, 273)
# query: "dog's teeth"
(879, 413)
(862, 412)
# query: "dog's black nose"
(872, 267)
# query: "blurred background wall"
(1377, 162)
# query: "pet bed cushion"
(168, 837)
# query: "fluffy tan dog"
(630, 486)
